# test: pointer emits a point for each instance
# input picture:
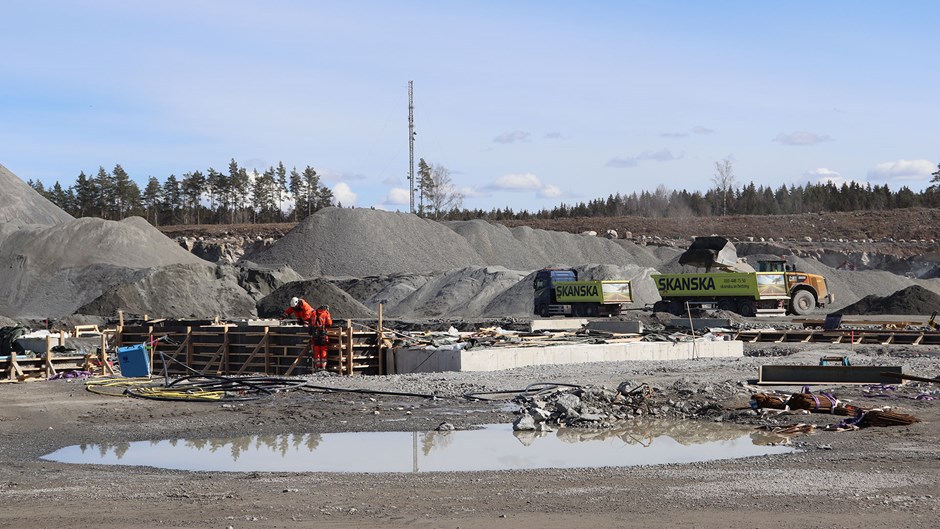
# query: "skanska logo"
(576, 290)
(685, 283)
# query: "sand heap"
(23, 205)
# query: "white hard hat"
(294, 302)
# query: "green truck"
(558, 292)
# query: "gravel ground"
(879, 477)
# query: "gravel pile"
(911, 300)
(52, 271)
(364, 242)
(317, 292)
(177, 291)
(23, 205)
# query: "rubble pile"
(551, 406)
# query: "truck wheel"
(676, 308)
(661, 306)
(746, 309)
(803, 302)
(726, 304)
(542, 311)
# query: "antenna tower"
(411, 145)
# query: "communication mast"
(411, 145)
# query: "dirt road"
(875, 477)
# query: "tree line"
(278, 195)
(211, 197)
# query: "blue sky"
(527, 103)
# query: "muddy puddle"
(492, 447)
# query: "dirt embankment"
(901, 233)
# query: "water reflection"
(493, 447)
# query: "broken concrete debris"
(558, 406)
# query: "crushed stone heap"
(51, 271)
(23, 205)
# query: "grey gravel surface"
(879, 477)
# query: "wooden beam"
(349, 347)
(297, 361)
(251, 356)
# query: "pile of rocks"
(599, 408)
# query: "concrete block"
(557, 324)
(616, 326)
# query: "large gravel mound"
(177, 291)
(317, 292)
(464, 292)
(363, 242)
(524, 248)
(911, 300)
(52, 271)
(23, 205)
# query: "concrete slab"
(616, 326)
(791, 375)
(557, 324)
(498, 358)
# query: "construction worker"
(320, 322)
(301, 310)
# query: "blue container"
(134, 361)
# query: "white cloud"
(698, 129)
(472, 192)
(662, 155)
(902, 170)
(517, 182)
(512, 137)
(397, 197)
(554, 136)
(801, 138)
(821, 175)
(549, 191)
(344, 194)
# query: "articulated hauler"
(775, 287)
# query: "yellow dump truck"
(558, 292)
(774, 287)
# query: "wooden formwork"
(22, 367)
(238, 349)
(841, 336)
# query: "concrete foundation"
(616, 326)
(493, 359)
(557, 324)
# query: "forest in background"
(281, 195)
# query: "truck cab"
(544, 285)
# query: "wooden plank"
(297, 361)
